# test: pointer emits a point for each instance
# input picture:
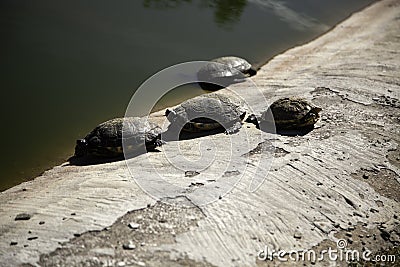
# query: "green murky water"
(68, 65)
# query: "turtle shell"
(292, 112)
(107, 138)
(226, 67)
(235, 63)
(224, 71)
(207, 112)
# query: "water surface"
(68, 65)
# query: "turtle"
(106, 140)
(207, 112)
(289, 113)
(223, 71)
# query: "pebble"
(32, 238)
(128, 246)
(191, 173)
(365, 176)
(41, 222)
(133, 225)
(141, 263)
(298, 235)
(23, 217)
(121, 263)
(385, 235)
(13, 243)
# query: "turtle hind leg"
(234, 128)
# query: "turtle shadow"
(171, 134)
(93, 160)
(271, 128)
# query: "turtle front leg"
(254, 120)
(234, 128)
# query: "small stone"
(319, 183)
(141, 263)
(23, 217)
(73, 213)
(349, 234)
(134, 226)
(191, 173)
(142, 244)
(41, 222)
(365, 176)
(121, 263)
(385, 235)
(32, 238)
(13, 243)
(77, 235)
(350, 240)
(128, 246)
(373, 210)
(298, 235)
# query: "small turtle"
(207, 112)
(223, 71)
(289, 113)
(106, 139)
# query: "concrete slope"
(340, 180)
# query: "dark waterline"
(68, 65)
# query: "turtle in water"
(223, 71)
(106, 139)
(207, 112)
(289, 113)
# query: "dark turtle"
(289, 113)
(106, 139)
(207, 112)
(223, 71)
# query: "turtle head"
(251, 72)
(253, 119)
(81, 148)
(312, 116)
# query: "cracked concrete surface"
(341, 180)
